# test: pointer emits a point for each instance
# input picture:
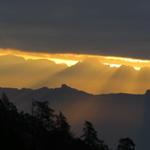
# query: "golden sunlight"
(110, 74)
(72, 59)
(69, 63)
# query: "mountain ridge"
(65, 86)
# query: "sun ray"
(97, 74)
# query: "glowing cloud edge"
(72, 59)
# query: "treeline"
(45, 130)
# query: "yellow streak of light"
(57, 58)
(128, 59)
(71, 59)
(61, 61)
(112, 65)
(137, 68)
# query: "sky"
(98, 46)
(101, 27)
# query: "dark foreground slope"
(114, 115)
(45, 130)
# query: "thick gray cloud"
(110, 27)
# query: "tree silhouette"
(43, 130)
(126, 144)
(62, 124)
(7, 104)
(90, 137)
(44, 113)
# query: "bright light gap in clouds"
(72, 59)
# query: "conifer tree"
(90, 135)
(126, 144)
(62, 124)
(44, 113)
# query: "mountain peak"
(147, 92)
(65, 86)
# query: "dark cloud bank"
(109, 27)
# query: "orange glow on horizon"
(93, 73)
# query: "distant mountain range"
(113, 115)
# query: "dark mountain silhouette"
(114, 115)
